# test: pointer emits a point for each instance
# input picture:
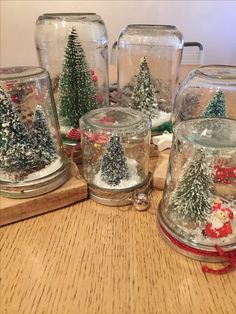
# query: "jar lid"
(117, 119)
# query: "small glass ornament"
(198, 209)
(149, 59)
(73, 48)
(31, 157)
(115, 147)
(209, 91)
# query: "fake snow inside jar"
(31, 157)
(115, 146)
(198, 209)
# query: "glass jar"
(115, 146)
(73, 48)
(209, 91)
(31, 157)
(198, 208)
(149, 59)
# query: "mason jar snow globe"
(149, 59)
(115, 147)
(31, 157)
(208, 91)
(73, 48)
(197, 214)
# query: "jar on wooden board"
(32, 161)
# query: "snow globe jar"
(73, 48)
(197, 213)
(208, 91)
(149, 59)
(31, 157)
(115, 146)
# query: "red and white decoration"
(220, 222)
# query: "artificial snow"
(133, 180)
(46, 171)
(161, 118)
(49, 169)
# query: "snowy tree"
(143, 97)
(216, 106)
(16, 151)
(76, 87)
(191, 201)
(42, 140)
(114, 167)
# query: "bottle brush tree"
(216, 106)
(76, 87)
(42, 139)
(16, 149)
(192, 199)
(114, 167)
(143, 97)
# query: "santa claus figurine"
(220, 224)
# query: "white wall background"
(213, 23)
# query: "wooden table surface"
(89, 258)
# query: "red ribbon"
(230, 256)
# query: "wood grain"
(92, 259)
(72, 191)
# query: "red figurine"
(220, 225)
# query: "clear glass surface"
(51, 36)
(162, 46)
(198, 207)
(125, 133)
(199, 89)
(31, 156)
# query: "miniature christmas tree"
(114, 167)
(192, 199)
(216, 107)
(76, 87)
(143, 97)
(42, 139)
(16, 151)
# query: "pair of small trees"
(76, 87)
(19, 149)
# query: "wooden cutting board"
(12, 210)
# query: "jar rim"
(217, 71)
(12, 73)
(95, 118)
(62, 14)
(160, 26)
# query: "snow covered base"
(160, 119)
(133, 180)
(49, 169)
